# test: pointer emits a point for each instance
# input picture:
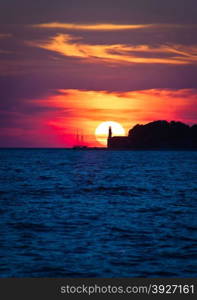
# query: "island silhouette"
(159, 134)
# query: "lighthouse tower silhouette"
(109, 136)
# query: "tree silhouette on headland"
(157, 135)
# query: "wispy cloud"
(93, 27)
(5, 35)
(106, 26)
(68, 45)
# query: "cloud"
(71, 46)
(133, 106)
(105, 26)
(92, 27)
(5, 35)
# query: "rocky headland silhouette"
(156, 135)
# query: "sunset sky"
(70, 65)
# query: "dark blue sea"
(98, 213)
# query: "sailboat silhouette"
(79, 141)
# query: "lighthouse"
(109, 136)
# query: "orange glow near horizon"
(85, 110)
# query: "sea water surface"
(91, 213)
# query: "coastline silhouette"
(156, 135)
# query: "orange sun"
(102, 131)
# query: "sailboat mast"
(77, 137)
(82, 137)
